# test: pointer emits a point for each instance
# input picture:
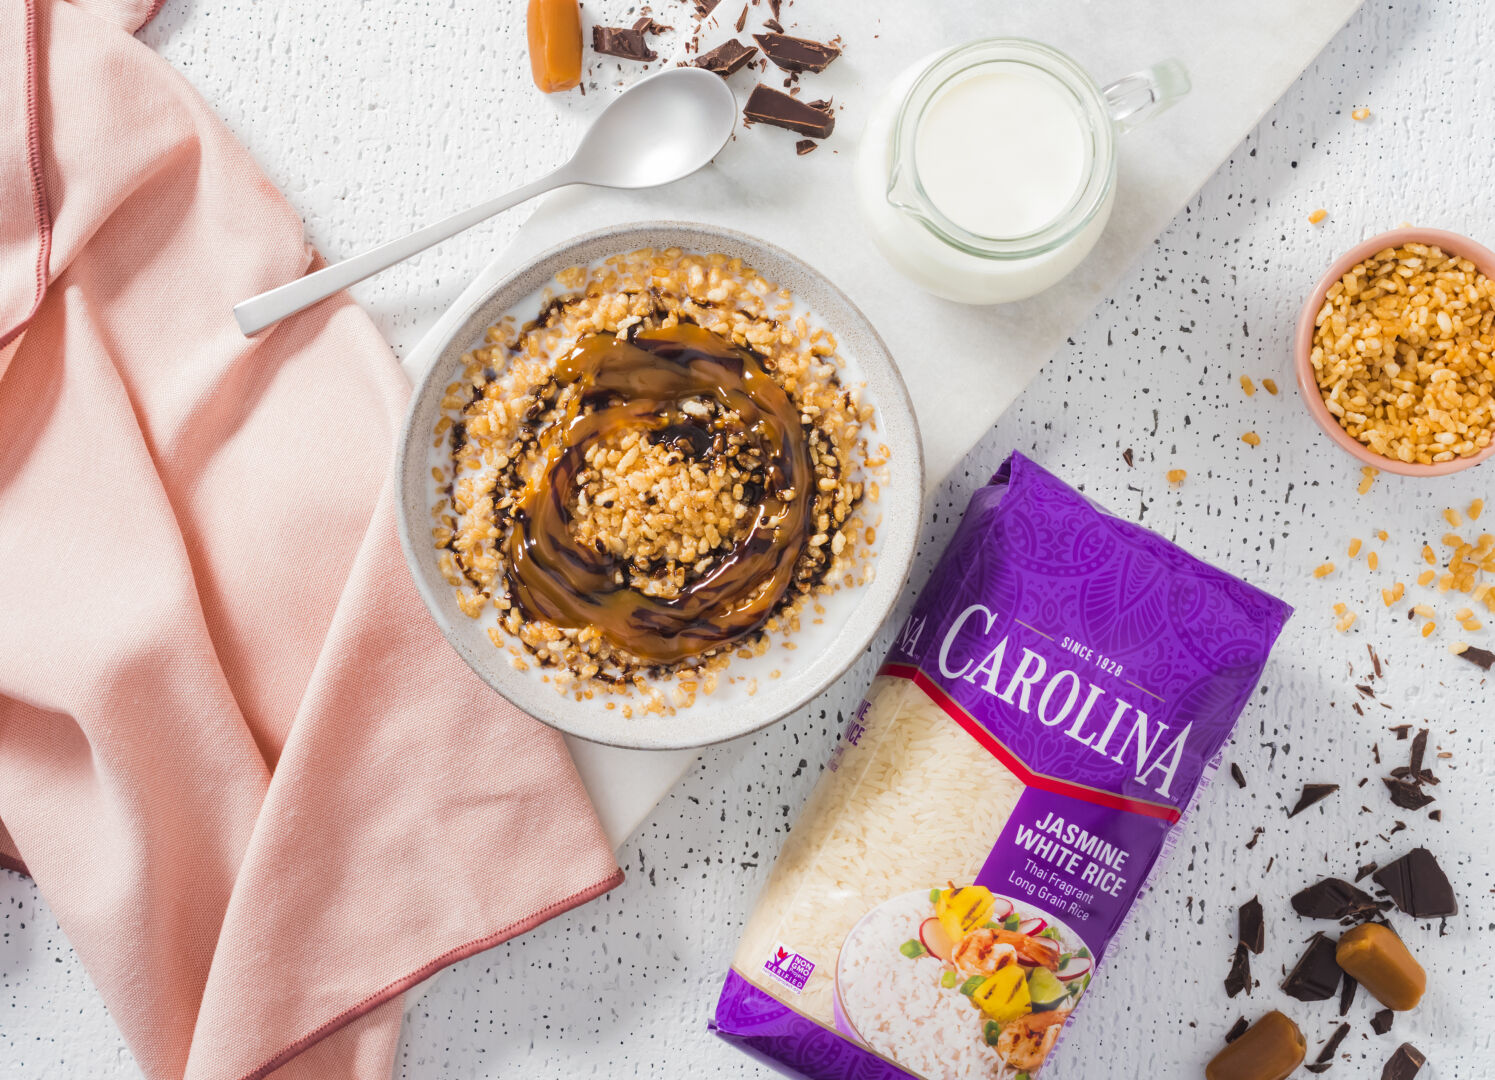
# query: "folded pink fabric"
(261, 794)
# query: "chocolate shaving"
(774, 6)
(1240, 972)
(1315, 977)
(742, 19)
(1401, 731)
(624, 42)
(1381, 1022)
(1250, 930)
(731, 55)
(1368, 868)
(1318, 1067)
(1333, 1044)
(1418, 886)
(1237, 1029)
(797, 54)
(1333, 898)
(1312, 793)
(646, 25)
(1236, 775)
(705, 7)
(805, 146)
(1419, 748)
(1255, 836)
(769, 106)
(1407, 794)
(774, 25)
(1482, 657)
(1126, 456)
(1347, 995)
(1405, 1063)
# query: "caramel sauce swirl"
(639, 385)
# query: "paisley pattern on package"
(1060, 692)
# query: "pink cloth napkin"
(259, 791)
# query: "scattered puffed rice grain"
(1271, 386)
(1251, 438)
(1341, 608)
(1388, 597)
(1426, 577)
(1345, 623)
(1451, 516)
(1176, 476)
(1428, 555)
(1471, 624)
(1399, 590)
(1323, 570)
(1464, 613)
(1361, 113)
(1423, 610)
(1382, 535)
(1459, 647)
(1317, 216)
(1247, 385)
(1354, 546)
(1428, 628)
(1373, 560)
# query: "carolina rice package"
(1060, 691)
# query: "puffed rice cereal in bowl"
(1396, 352)
(656, 472)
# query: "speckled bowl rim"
(901, 498)
(1452, 242)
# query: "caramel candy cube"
(1378, 960)
(1268, 1050)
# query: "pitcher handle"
(1136, 98)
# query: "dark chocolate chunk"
(1401, 731)
(805, 146)
(1347, 995)
(624, 42)
(1236, 775)
(797, 54)
(1418, 885)
(1319, 1066)
(1381, 1022)
(1240, 972)
(774, 25)
(765, 105)
(1368, 868)
(727, 57)
(705, 7)
(1237, 1029)
(1435, 815)
(1249, 929)
(646, 25)
(1312, 793)
(1483, 657)
(1406, 1063)
(1315, 977)
(1333, 898)
(1407, 794)
(1126, 456)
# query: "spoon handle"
(258, 312)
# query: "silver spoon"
(660, 129)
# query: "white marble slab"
(964, 365)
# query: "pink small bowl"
(1450, 242)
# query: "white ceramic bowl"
(822, 652)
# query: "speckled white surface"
(623, 986)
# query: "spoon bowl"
(661, 129)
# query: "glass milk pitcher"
(988, 172)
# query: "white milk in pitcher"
(1002, 151)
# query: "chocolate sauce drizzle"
(639, 384)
